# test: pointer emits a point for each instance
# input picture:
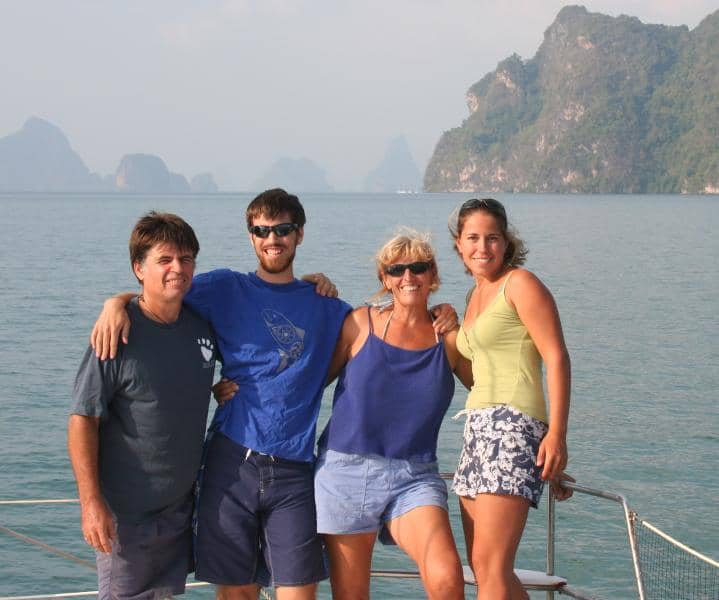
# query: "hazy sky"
(228, 86)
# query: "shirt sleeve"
(202, 295)
(95, 385)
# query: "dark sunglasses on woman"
(416, 268)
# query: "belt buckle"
(250, 452)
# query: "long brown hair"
(516, 253)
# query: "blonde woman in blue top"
(377, 466)
(511, 445)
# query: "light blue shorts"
(358, 493)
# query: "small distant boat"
(664, 568)
(406, 191)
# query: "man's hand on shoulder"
(323, 285)
(112, 325)
(445, 318)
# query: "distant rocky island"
(296, 174)
(39, 158)
(397, 172)
(607, 105)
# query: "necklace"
(141, 298)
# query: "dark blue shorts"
(150, 559)
(256, 519)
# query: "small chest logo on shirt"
(289, 338)
(207, 349)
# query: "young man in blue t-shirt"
(256, 508)
(256, 513)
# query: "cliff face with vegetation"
(606, 105)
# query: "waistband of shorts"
(248, 453)
(466, 411)
(412, 460)
(474, 411)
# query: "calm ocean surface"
(636, 279)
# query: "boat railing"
(669, 570)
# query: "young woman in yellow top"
(510, 327)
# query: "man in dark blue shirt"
(138, 421)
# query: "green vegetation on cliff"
(606, 105)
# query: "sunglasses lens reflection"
(416, 268)
(281, 230)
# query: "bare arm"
(112, 325)
(98, 527)
(463, 371)
(538, 311)
(354, 333)
(461, 367)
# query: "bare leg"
(300, 592)
(493, 526)
(424, 533)
(252, 592)
(350, 563)
(237, 592)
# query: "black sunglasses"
(280, 230)
(416, 268)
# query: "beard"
(277, 264)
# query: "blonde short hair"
(412, 244)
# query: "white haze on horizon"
(229, 86)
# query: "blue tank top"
(390, 401)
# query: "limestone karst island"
(606, 105)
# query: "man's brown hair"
(275, 202)
(161, 228)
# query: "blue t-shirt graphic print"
(288, 337)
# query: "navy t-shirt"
(152, 400)
(276, 342)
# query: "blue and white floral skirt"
(499, 455)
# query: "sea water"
(635, 279)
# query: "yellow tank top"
(506, 365)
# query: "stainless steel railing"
(631, 519)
